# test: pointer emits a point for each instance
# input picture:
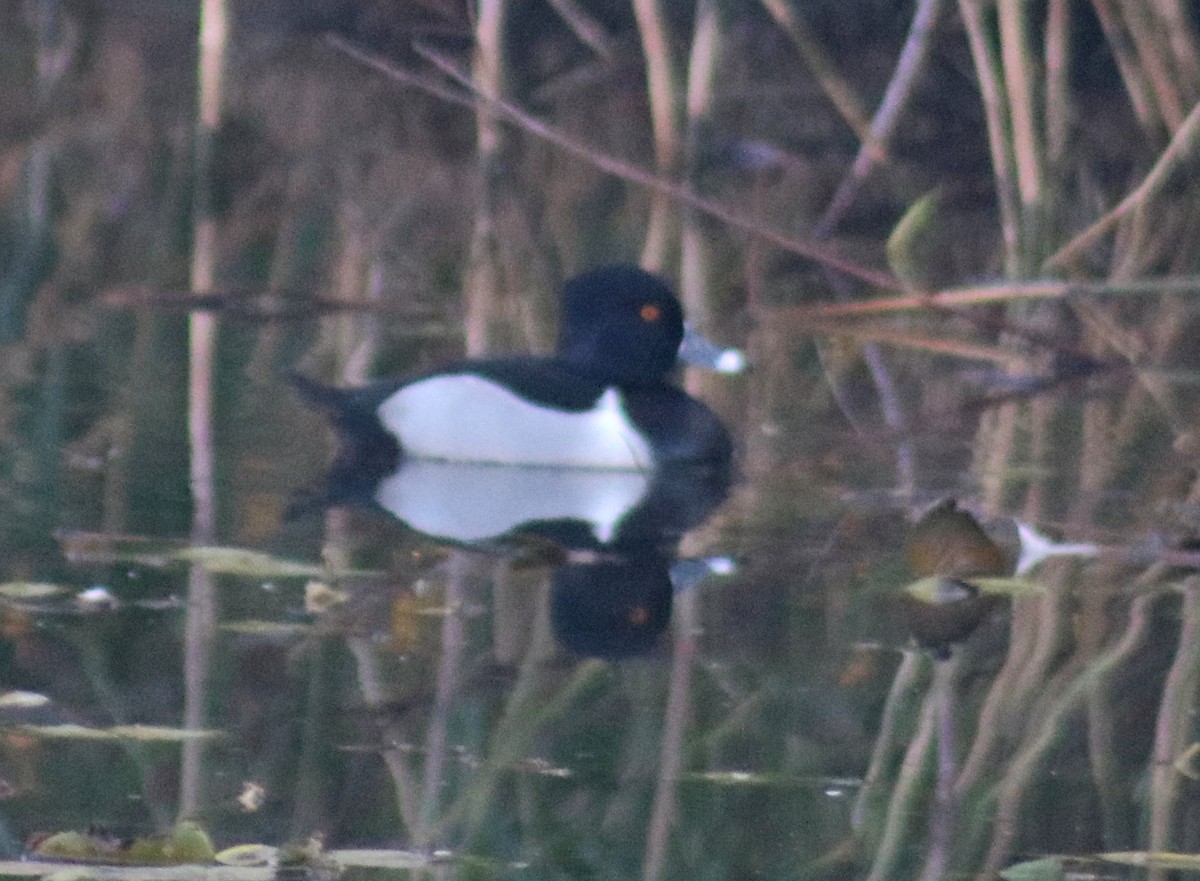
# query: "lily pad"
(186, 843)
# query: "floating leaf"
(910, 245)
(144, 733)
(255, 564)
(248, 855)
(1155, 859)
(29, 590)
(22, 700)
(381, 859)
(254, 627)
(186, 843)
(1045, 869)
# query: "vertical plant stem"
(678, 711)
(991, 88)
(1179, 27)
(694, 281)
(1049, 730)
(1058, 86)
(1141, 96)
(437, 745)
(1017, 64)
(482, 281)
(662, 93)
(1175, 724)
(912, 786)
(903, 697)
(585, 27)
(1155, 60)
(201, 603)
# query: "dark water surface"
(723, 686)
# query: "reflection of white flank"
(471, 502)
(463, 418)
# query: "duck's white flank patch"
(463, 418)
(471, 502)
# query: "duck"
(603, 400)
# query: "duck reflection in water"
(592, 449)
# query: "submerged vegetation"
(960, 242)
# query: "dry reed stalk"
(1058, 106)
(664, 813)
(589, 31)
(1018, 69)
(993, 730)
(1155, 59)
(1043, 412)
(840, 93)
(992, 90)
(908, 794)
(1176, 22)
(981, 295)
(1173, 730)
(1184, 145)
(1141, 95)
(957, 348)
(214, 34)
(663, 95)
(200, 623)
(481, 281)
(694, 262)
(1047, 733)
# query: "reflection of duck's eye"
(639, 615)
(650, 312)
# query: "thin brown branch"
(978, 295)
(956, 348)
(899, 90)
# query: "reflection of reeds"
(202, 329)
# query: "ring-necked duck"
(603, 400)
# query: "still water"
(709, 679)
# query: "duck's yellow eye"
(650, 312)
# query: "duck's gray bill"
(702, 352)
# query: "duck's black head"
(620, 324)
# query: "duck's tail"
(367, 452)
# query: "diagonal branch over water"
(608, 164)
